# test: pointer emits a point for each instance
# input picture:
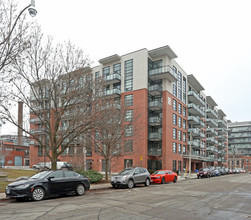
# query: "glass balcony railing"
(155, 120)
(112, 78)
(152, 151)
(211, 122)
(195, 110)
(212, 113)
(112, 92)
(162, 73)
(155, 90)
(195, 98)
(194, 119)
(155, 105)
(155, 136)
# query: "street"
(224, 197)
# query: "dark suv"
(204, 172)
(131, 176)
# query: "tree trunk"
(106, 168)
(53, 159)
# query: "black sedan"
(48, 183)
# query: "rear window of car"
(69, 174)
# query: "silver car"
(131, 176)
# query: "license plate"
(7, 191)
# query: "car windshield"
(159, 172)
(40, 175)
(127, 171)
(203, 169)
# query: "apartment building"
(170, 109)
(239, 141)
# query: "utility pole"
(234, 149)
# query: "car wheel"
(175, 179)
(115, 186)
(163, 180)
(130, 184)
(198, 177)
(38, 194)
(147, 183)
(80, 190)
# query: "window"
(179, 86)
(128, 75)
(129, 115)
(237, 162)
(128, 131)
(57, 174)
(8, 149)
(184, 124)
(40, 151)
(71, 151)
(184, 137)
(179, 122)
(106, 71)
(174, 105)
(69, 174)
(175, 83)
(174, 119)
(179, 108)
(128, 100)
(184, 165)
(184, 90)
(179, 148)
(174, 165)
(128, 163)
(179, 165)
(174, 148)
(179, 135)
(184, 149)
(184, 111)
(117, 68)
(174, 133)
(97, 75)
(128, 147)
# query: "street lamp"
(32, 12)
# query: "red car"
(164, 176)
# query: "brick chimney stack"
(20, 124)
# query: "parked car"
(217, 172)
(164, 176)
(227, 171)
(131, 176)
(222, 171)
(48, 183)
(47, 165)
(204, 172)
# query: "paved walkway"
(105, 185)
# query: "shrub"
(93, 175)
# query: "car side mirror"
(51, 177)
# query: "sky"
(211, 38)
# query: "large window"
(128, 146)
(128, 100)
(97, 75)
(117, 68)
(184, 90)
(175, 83)
(128, 131)
(179, 135)
(179, 108)
(184, 149)
(174, 165)
(174, 148)
(179, 122)
(179, 148)
(174, 105)
(174, 119)
(128, 75)
(106, 71)
(184, 111)
(184, 137)
(184, 124)
(128, 163)
(129, 115)
(179, 165)
(174, 133)
(179, 86)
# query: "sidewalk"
(108, 185)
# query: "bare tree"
(55, 83)
(114, 126)
(14, 38)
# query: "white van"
(47, 165)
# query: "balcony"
(211, 113)
(155, 90)
(155, 105)
(195, 132)
(193, 120)
(37, 131)
(194, 156)
(155, 136)
(211, 131)
(210, 140)
(35, 120)
(211, 122)
(195, 110)
(194, 143)
(155, 121)
(164, 72)
(222, 138)
(210, 158)
(222, 130)
(112, 93)
(112, 78)
(222, 124)
(193, 97)
(211, 149)
(153, 151)
(202, 135)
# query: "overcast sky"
(212, 38)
